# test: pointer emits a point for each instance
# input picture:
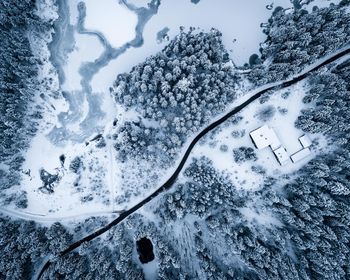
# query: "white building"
(265, 136)
(305, 141)
(300, 155)
(282, 155)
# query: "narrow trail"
(51, 219)
(249, 98)
(112, 170)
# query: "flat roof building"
(265, 136)
(282, 155)
(300, 155)
(305, 141)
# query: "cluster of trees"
(179, 89)
(309, 229)
(113, 257)
(18, 84)
(107, 258)
(204, 231)
(330, 92)
(225, 244)
(299, 38)
(306, 238)
(24, 244)
(135, 140)
(205, 190)
(243, 154)
(314, 209)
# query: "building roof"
(282, 155)
(305, 141)
(300, 155)
(264, 137)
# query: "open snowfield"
(62, 134)
(87, 49)
(89, 190)
(113, 19)
(286, 105)
(80, 114)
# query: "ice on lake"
(114, 20)
(239, 21)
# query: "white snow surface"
(150, 270)
(97, 179)
(102, 174)
(87, 48)
(238, 20)
(241, 174)
(139, 3)
(113, 19)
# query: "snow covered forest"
(79, 151)
(180, 89)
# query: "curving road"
(249, 98)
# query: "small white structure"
(282, 155)
(264, 137)
(300, 155)
(305, 141)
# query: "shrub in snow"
(76, 164)
(238, 133)
(285, 94)
(242, 154)
(266, 113)
(223, 148)
(22, 201)
(258, 169)
(101, 143)
(283, 111)
(235, 119)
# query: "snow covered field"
(87, 49)
(62, 135)
(85, 108)
(239, 20)
(280, 112)
(113, 19)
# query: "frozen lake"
(115, 21)
(237, 20)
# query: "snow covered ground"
(61, 134)
(285, 106)
(113, 19)
(239, 20)
(74, 115)
(139, 3)
(87, 49)
(320, 4)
